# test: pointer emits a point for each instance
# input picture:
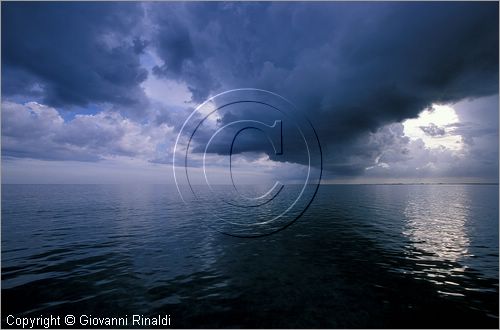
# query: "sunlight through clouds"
(433, 127)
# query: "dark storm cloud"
(76, 53)
(181, 58)
(350, 67)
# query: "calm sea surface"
(361, 256)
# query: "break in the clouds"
(399, 91)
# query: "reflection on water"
(436, 227)
(436, 223)
(361, 256)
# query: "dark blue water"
(361, 256)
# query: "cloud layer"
(357, 70)
(73, 53)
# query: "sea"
(360, 256)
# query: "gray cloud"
(433, 130)
(353, 69)
(76, 53)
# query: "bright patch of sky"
(434, 127)
(166, 91)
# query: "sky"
(397, 92)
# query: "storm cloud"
(355, 70)
(350, 67)
(73, 53)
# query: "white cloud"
(33, 130)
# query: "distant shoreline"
(418, 184)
